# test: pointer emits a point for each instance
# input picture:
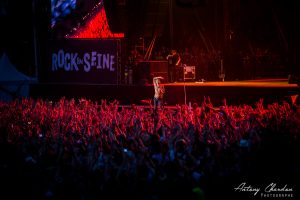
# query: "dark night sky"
(257, 23)
(256, 16)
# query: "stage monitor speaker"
(158, 66)
(189, 73)
(294, 79)
(146, 70)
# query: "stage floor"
(235, 92)
(282, 83)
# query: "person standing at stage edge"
(159, 91)
(173, 62)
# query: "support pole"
(171, 23)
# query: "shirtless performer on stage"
(159, 91)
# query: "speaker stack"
(146, 70)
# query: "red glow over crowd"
(79, 149)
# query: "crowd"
(80, 149)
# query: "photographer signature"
(271, 188)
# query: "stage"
(246, 83)
(235, 92)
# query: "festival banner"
(83, 61)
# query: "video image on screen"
(60, 9)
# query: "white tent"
(13, 84)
